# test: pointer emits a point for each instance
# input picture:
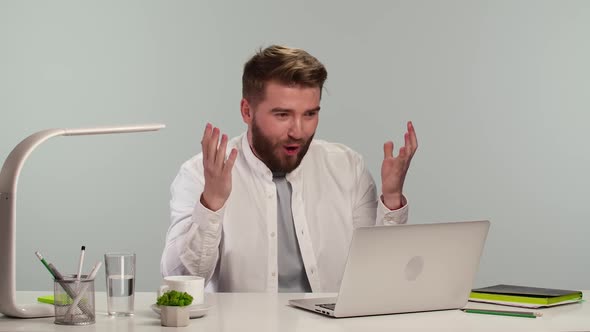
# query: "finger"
(388, 150)
(407, 142)
(220, 156)
(403, 152)
(413, 138)
(229, 163)
(212, 146)
(409, 145)
(205, 141)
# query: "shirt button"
(272, 234)
(274, 274)
(312, 270)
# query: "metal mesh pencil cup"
(74, 301)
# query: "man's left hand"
(394, 169)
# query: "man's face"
(281, 127)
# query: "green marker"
(503, 313)
(38, 254)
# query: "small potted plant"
(174, 309)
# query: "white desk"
(270, 312)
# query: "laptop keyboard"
(330, 306)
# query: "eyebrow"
(288, 110)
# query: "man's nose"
(296, 129)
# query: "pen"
(82, 251)
(94, 270)
(38, 254)
(525, 314)
(55, 272)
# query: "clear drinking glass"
(120, 277)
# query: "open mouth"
(291, 149)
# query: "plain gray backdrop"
(499, 92)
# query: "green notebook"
(522, 294)
(64, 299)
(46, 299)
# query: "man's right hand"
(217, 170)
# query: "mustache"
(291, 141)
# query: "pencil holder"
(74, 301)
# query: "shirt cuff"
(207, 220)
(394, 217)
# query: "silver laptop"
(406, 268)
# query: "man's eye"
(311, 114)
(281, 115)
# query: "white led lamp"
(8, 183)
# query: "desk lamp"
(8, 182)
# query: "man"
(274, 209)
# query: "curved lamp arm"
(8, 183)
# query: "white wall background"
(499, 92)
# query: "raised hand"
(394, 169)
(217, 170)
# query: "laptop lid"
(410, 268)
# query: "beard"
(271, 153)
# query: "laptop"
(406, 268)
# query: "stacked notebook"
(521, 296)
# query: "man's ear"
(246, 111)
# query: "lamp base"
(34, 310)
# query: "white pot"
(174, 316)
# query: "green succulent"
(175, 298)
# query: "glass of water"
(120, 276)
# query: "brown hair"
(289, 66)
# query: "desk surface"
(271, 312)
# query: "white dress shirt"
(235, 248)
